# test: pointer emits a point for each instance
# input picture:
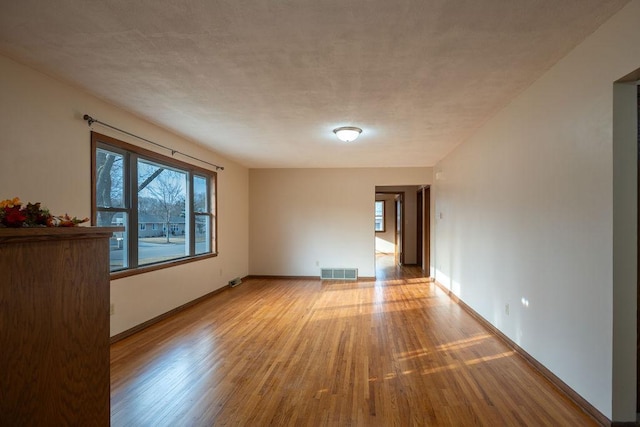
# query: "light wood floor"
(394, 352)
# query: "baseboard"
(586, 407)
(262, 276)
(144, 325)
(266, 276)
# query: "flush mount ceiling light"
(347, 133)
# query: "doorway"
(407, 233)
(424, 231)
(399, 230)
(625, 283)
(638, 260)
(388, 231)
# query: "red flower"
(13, 216)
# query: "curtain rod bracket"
(90, 120)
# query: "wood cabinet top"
(12, 235)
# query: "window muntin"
(166, 206)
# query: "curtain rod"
(90, 120)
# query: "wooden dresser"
(54, 326)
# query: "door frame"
(398, 247)
(399, 251)
(423, 223)
(423, 229)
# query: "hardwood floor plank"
(396, 351)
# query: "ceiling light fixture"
(347, 133)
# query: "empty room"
(319, 213)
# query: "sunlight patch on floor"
(489, 358)
(408, 355)
(468, 342)
(418, 280)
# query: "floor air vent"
(339, 274)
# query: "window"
(379, 215)
(135, 188)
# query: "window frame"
(131, 154)
(382, 217)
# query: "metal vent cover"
(339, 274)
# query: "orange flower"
(9, 203)
(66, 221)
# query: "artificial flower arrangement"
(14, 214)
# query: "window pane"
(379, 215)
(118, 253)
(200, 194)
(162, 192)
(379, 208)
(203, 242)
(109, 179)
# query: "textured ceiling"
(264, 82)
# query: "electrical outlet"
(506, 309)
(317, 263)
(112, 309)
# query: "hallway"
(386, 269)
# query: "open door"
(638, 267)
(420, 228)
(399, 251)
(426, 235)
(423, 196)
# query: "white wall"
(527, 215)
(302, 220)
(45, 157)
